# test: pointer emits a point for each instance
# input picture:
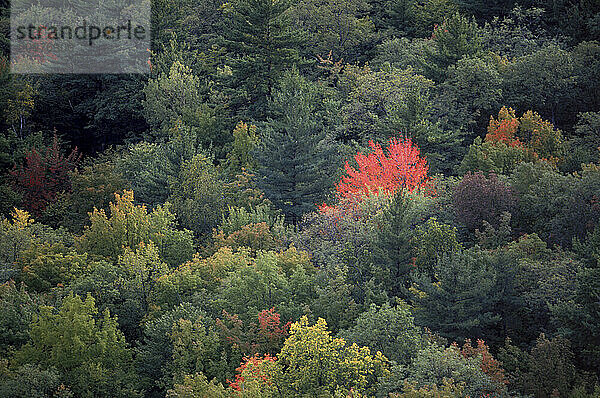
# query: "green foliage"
(46, 266)
(392, 101)
(196, 349)
(393, 250)
(455, 38)
(434, 240)
(239, 216)
(548, 369)
(89, 354)
(461, 301)
(296, 157)
(271, 280)
(584, 147)
(197, 385)
(343, 237)
(336, 298)
(196, 276)
(542, 279)
(579, 315)
(176, 99)
(262, 46)
(243, 192)
(20, 105)
(342, 29)
(240, 158)
(92, 186)
(519, 32)
(22, 234)
(434, 364)
(111, 286)
(427, 15)
(544, 78)
(395, 16)
(198, 195)
(148, 171)
(255, 236)
(492, 157)
(589, 249)
(471, 92)
(312, 81)
(154, 352)
(141, 267)
(17, 309)
(32, 381)
(511, 140)
(490, 237)
(16, 236)
(447, 390)
(385, 102)
(486, 9)
(585, 58)
(390, 330)
(402, 53)
(256, 286)
(172, 96)
(557, 207)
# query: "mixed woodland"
(309, 198)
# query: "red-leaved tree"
(266, 336)
(271, 331)
(43, 176)
(397, 167)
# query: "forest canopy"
(302, 198)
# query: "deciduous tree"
(398, 167)
(44, 175)
(90, 354)
(128, 225)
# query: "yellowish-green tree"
(129, 225)
(312, 362)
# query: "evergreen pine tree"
(392, 249)
(463, 299)
(262, 45)
(297, 159)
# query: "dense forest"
(310, 198)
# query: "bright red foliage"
(398, 167)
(44, 176)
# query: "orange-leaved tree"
(400, 166)
(489, 365)
(254, 374)
(504, 129)
(538, 138)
